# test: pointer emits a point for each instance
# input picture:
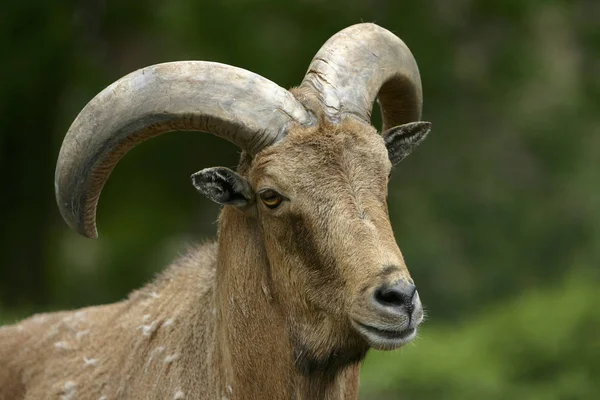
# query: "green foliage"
(542, 345)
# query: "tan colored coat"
(263, 314)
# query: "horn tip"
(89, 233)
(84, 229)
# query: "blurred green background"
(498, 214)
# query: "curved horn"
(232, 103)
(360, 63)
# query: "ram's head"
(312, 177)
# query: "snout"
(388, 315)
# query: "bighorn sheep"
(305, 275)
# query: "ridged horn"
(234, 104)
(359, 64)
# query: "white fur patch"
(62, 345)
(69, 390)
(172, 357)
(90, 361)
(179, 395)
(168, 322)
(147, 330)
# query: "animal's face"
(320, 198)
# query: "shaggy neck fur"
(248, 313)
(210, 327)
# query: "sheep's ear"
(401, 140)
(223, 186)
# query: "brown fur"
(263, 314)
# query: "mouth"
(385, 339)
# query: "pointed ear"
(223, 186)
(401, 140)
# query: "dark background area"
(497, 214)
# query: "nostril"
(398, 295)
(389, 297)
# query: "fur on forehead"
(326, 138)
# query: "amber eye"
(271, 198)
